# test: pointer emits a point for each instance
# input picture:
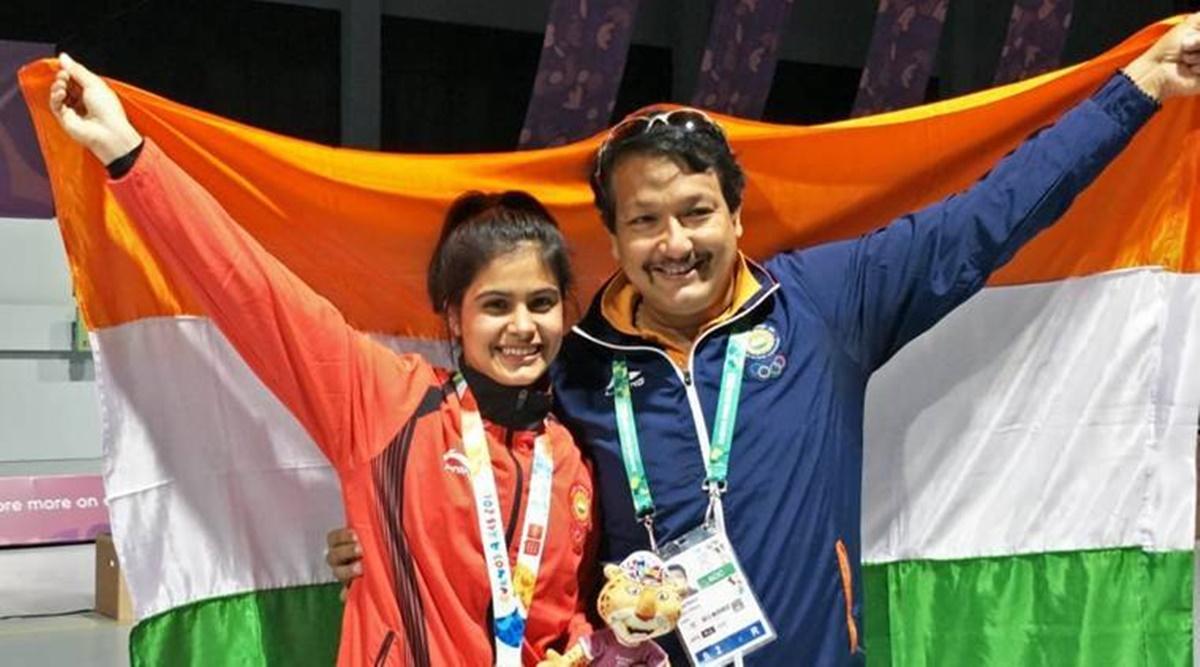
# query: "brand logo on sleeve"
(636, 379)
(456, 462)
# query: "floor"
(84, 639)
(37, 582)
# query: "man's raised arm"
(886, 288)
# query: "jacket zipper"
(685, 375)
(516, 504)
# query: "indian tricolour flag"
(1030, 465)
(1030, 478)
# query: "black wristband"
(121, 166)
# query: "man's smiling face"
(674, 237)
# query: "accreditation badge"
(721, 617)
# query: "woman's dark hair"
(482, 226)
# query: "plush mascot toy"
(639, 601)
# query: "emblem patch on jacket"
(763, 359)
(581, 515)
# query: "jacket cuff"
(1127, 104)
(121, 166)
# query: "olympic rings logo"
(765, 370)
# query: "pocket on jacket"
(385, 648)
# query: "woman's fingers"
(78, 72)
(57, 96)
(91, 112)
(66, 95)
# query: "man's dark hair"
(482, 226)
(699, 149)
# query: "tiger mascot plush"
(639, 601)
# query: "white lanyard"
(512, 588)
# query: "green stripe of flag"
(287, 626)
(1105, 607)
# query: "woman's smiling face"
(510, 321)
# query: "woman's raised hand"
(90, 112)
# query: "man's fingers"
(348, 573)
(343, 554)
(339, 537)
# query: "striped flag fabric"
(1030, 461)
(1030, 478)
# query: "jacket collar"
(597, 327)
(520, 408)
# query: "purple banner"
(901, 55)
(24, 189)
(52, 509)
(739, 62)
(583, 59)
(1037, 32)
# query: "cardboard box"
(112, 595)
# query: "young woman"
(472, 505)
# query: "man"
(644, 381)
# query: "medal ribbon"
(510, 606)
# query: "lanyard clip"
(648, 522)
(714, 488)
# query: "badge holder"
(722, 619)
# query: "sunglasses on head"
(689, 120)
